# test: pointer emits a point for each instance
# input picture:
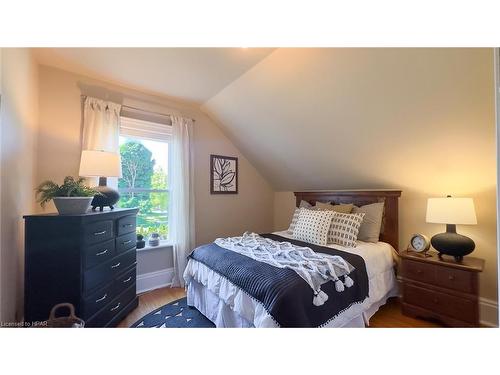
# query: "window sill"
(162, 246)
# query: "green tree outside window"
(144, 185)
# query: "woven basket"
(70, 321)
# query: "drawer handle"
(102, 298)
(127, 225)
(102, 253)
(451, 277)
(126, 242)
(116, 307)
(126, 281)
(116, 265)
(419, 271)
(99, 233)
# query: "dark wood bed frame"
(390, 228)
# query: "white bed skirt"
(226, 305)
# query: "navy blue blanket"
(284, 294)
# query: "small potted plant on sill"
(73, 197)
(140, 241)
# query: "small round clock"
(419, 243)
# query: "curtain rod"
(144, 110)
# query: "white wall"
(1, 179)
(497, 115)
(19, 117)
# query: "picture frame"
(223, 174)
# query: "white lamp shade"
(100, 164)
(451, 211)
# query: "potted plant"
(140, 241)
(73, 197)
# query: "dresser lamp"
(451, 211)
(102, 164)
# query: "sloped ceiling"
(364, 118)
(192, 74)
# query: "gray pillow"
(369, 231)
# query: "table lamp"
(102, 164)
(451, 211)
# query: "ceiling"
(343, 118)
(194, 74)
(327, 118)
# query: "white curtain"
(101, 125)
(181, 210)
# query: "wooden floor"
(389, 315)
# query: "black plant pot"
(140, 241)
(452, 243)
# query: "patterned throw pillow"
(313, 226)
(344, 229)
(295, 217)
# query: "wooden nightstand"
(441, 288)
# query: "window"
(144, 181)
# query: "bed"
(249, 296)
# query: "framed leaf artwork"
(223, 175)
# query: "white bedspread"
(228, 306)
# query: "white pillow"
(344, 229)
(313, 226)
(303, 204)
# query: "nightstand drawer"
(455, 279)
(455, 307)
(418, 271)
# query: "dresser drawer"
(111, 310)
(99, 253)
(126, 242)
(418, 271)
(126, 279)
(101, 274)
(452, 306)
(98, 231)
(455, 279)
(98, 300)
(126, 225)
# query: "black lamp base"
(452, 243)
(109, 197)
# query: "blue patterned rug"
(175, 314)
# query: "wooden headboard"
(389, 232)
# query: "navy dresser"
(88, 260)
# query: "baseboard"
(154, 280)
(488, 312)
